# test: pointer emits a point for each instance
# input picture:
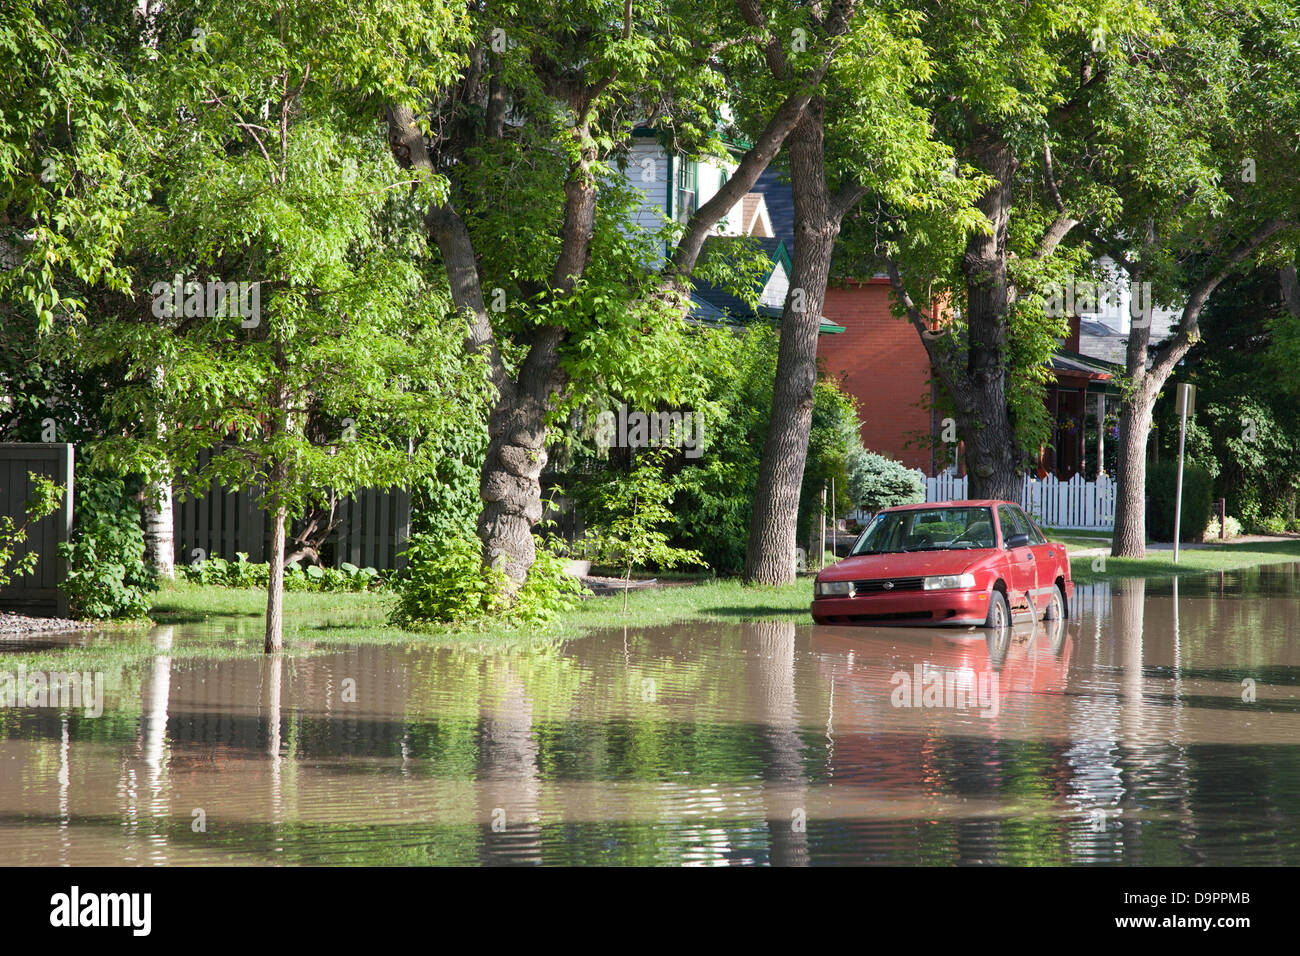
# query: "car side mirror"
(1018, 541)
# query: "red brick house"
(880, 360)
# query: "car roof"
(965, 503)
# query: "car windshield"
(927, 529)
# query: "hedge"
(1162, 479)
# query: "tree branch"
(1172, 352)
(772, 52)
(944, 360)
(752, 164)
(1063, 223)
(914, 314)
(448, 230)
(1290, 289)
(844, 199)
(1054, 235)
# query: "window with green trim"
(688, 189)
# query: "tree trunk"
(993, 460)
(159, 536)
(1136, 404)
(1129, 540)
(279, 474)
(159, 540)
(510, 484)
(770, 555)
(275, 585)
(992, 454)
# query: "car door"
(1047, 560)
(1020, 561)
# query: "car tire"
(999, 611)
(1056, 606)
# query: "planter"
(578, 569)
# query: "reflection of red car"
(955, 562)
(1031, 659)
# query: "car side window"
(1010, 523)
(1035, 535)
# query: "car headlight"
(945, 581)
(835, 588)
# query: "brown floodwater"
(1159, 725)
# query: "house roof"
(1074, 369)
(780, 205)
(726, 301)
(714, 304)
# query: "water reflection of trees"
(770, 666)
(714, 742)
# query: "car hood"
(906, 564)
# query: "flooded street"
(1159, 725)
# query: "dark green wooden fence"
(37, 593)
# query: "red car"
(952, 562)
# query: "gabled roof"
(715, 305)
(728, 302)
(780, 205)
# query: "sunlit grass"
(309, 613)
(1219, 557)
(216, 622)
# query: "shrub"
(1270, 525)
(878, 482)
(714, 504)
(633, 511)
(107, 576)
(1161, 482)
(1212, 529)
(548, 590)
(445, 582)
(241, 573)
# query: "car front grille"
(878, 585)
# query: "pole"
(835, 522)
(1178, 494)
(821, 552)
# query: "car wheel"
(1056, 606)
(1057, 635)
(999, 611)
(999, 642)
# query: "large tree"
(1200, 153)
(862, 134)
(537, 233)
(297, 334)
(1012, 95)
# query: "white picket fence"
(1061, 504)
